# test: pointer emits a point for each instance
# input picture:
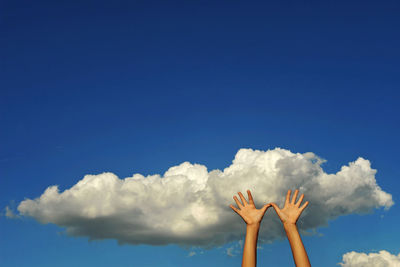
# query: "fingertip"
(304, 205)
(265, 207)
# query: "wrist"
(289, 226)
(253, 226)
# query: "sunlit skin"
(289, 216)
(252, 217)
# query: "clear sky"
(140, 86)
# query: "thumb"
(265, 207)
(276, 208)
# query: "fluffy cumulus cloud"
(189, 205)
(381, 259)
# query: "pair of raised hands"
(251, 215)
(289, 215)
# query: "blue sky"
(137, 87)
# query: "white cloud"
(381, 259)
(10, 214)
(189, 205)
(236, 248)
(191, 254)
(231, 251)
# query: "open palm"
(248, 211)
(292, 210)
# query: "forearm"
(250, 246)
(299, 253)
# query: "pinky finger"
(234, 208)
(304, 206)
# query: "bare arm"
(289, 216)
(252, 218)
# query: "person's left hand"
(248, 211)
(292, 210)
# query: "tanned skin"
(289, 216)
(252, 217)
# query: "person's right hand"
(248, 211)
(291, 211)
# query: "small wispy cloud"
(191, 254)
(9, 213)
(194, 253)
(235, 249)
(231, 252)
